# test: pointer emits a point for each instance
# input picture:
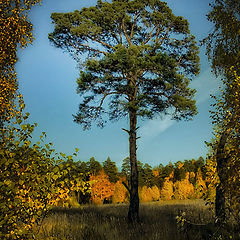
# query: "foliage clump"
(32, 181)
(15, 31)
(223, 164)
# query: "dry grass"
(107, 222)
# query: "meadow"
(109, 221)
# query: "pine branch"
(150, 35)
(134, 24)
(102, 100)
(101, 42)
(88, 48)
(125, 33)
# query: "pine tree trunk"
(133, 212)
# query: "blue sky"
(47, 79)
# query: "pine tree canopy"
(135, 54)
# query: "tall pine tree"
(139, 57)
(111, 170)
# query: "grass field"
(107, 222)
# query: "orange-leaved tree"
(102, 188)
(145, 194)
(120, 194)
(183, 189)
(155, 193)
(200, 185)
(167, 189)
(149, 194)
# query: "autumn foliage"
(226, 125)
(102, 188)
(184, 180)
(183, 189)
(149, 194)
(32, 180)
(120, 194)
(15, 31)
(167, 189)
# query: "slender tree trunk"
(133, 212)
(221, 166)
(220, 203)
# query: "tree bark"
(221, 166)
(133, 212)
(220, 203)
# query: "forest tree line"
(180, 180)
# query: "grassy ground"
(107, 222)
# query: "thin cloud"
(206, 85)
(153, 128)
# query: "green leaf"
(56, 169)
(24, 127)
(55, 177)
(21, 182)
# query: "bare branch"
(126, 186)
(126, 130)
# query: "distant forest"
(181, 180)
